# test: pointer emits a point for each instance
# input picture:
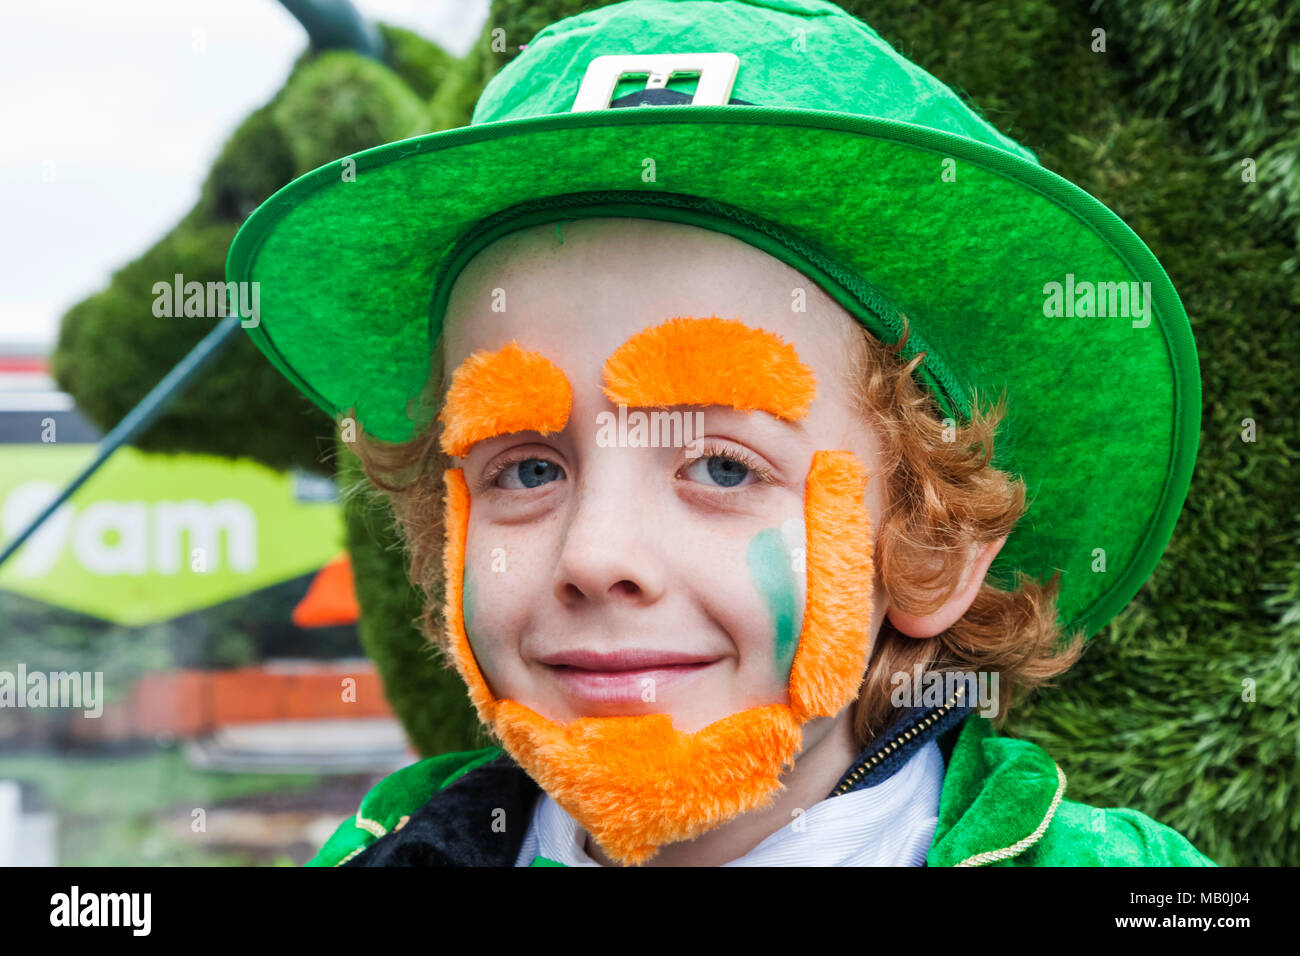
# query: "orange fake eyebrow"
(690, 361)
(496, 393)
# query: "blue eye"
(530, 473)
(726, 471)
(723, 467)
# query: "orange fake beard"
(635, 783)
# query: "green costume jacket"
(1001, 805)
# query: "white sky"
(111, 114)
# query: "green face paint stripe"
(467, 606)
(467, 603)
(771, 571)
(467, 618)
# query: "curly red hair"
(942, 497)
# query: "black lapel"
(890, 765)
(479, 820)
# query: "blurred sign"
(150, 537)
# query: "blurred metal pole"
(137, 419)
(336, 25)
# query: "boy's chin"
(635, 783)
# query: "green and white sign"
(150, 536)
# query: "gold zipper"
(902, 738)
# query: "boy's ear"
(939, 620)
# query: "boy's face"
(685, 564)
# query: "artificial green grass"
(1230, 73)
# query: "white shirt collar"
(890, 824)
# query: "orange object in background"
(176, 703)
(187, 703)
(331, 600)
(190, 703)
(244, 695)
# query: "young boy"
(716, 559)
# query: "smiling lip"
(621, 676)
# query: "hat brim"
(1103, 411)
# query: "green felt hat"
(793, 126)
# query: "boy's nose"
(608, 553)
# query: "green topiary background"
(1184, 706)
(111, 348)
